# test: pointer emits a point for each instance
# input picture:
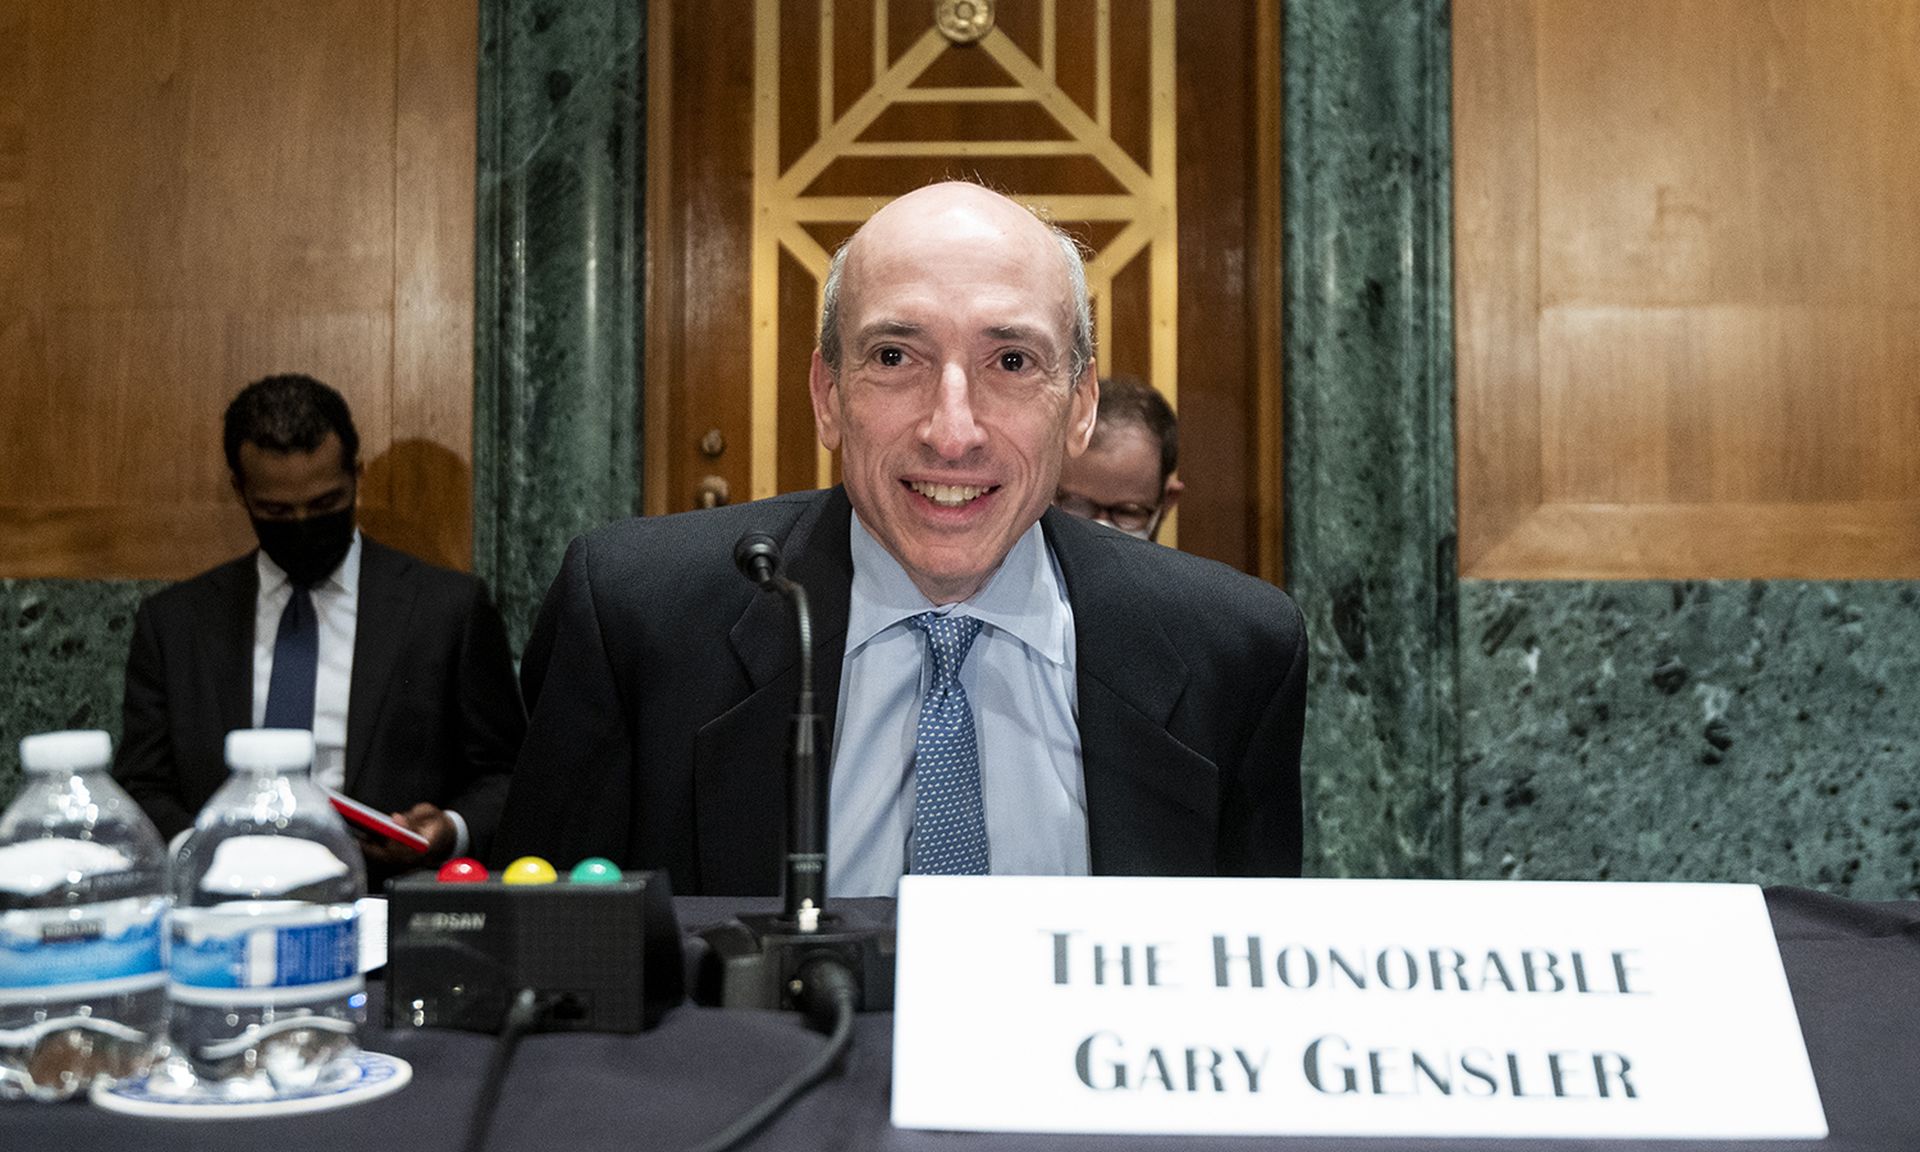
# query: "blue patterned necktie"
(296, 663)
(949, 817)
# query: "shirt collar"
(1025, 596)
(345, 578)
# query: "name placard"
(1345, 1007)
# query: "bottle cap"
(269, 749)
(66, 751)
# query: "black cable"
(521, 1017)
(828, 998)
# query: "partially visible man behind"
(1011, 690)
(1125, 477)
(400, 669)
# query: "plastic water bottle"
(266, 985)
(82, 907)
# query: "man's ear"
(823, 388)
(1170, 495)
(1083, 408)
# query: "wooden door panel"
(1687, 243)
(196, 195)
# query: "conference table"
(1854, 968)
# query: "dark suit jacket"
(432, 711)
(659, 682)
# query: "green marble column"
(557, 326)
(1369, 428)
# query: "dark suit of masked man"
(407, 681)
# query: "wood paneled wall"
(196, 194)
(1687, 250)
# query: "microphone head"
(757, 555)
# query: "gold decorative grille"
(1138, 216)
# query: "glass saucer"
(365, 1076)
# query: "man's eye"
(890, 357)
(1013, 361)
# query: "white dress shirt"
(1019, 677)
(336, 609)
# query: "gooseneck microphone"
(757, 555)
(804, 957)
(825, 965)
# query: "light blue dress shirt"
(1019, 678)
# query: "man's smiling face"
(954, 403)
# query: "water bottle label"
(265, 944)
(114, 944)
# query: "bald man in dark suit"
(1009, 689)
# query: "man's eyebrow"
(1021, 333)
(880, 328)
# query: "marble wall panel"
(63, 655)
(1758, 732)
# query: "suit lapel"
(229, 649)
(1152, 802)
(740, 782)
(380, 628)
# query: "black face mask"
(307, 550)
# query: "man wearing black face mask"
(401, 670)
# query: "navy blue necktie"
(949, 815)
(296, 661)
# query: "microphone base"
(755, 961)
